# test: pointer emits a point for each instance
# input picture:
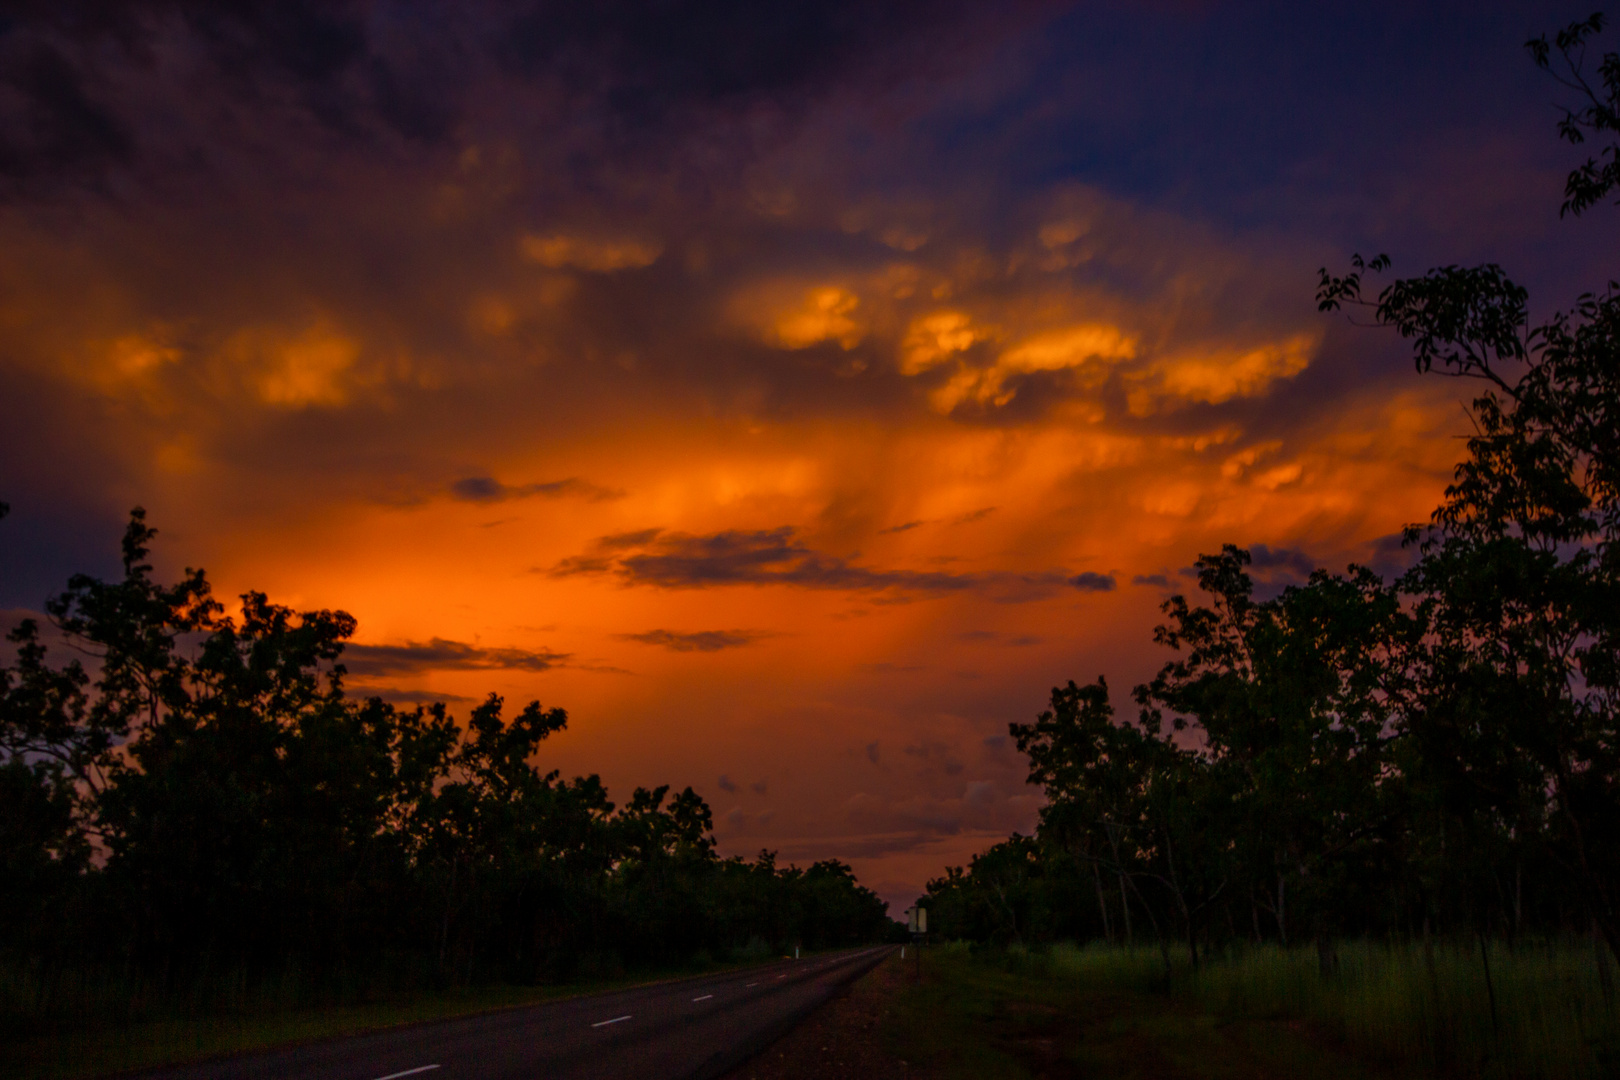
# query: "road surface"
(685, 1030)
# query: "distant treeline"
(206, 800)
(1437, 754)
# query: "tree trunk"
(1518, 897)
(1102, 902)
(1125, 907)
(1490, 987)
(1282, 911)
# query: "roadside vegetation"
(1253, 1012)
(207, 842)
(1013, 1015)
(205, 837)
(1387, 810)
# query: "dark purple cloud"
(485, 489)
(400, 696)
(1015, 641)
(1090, 581)
(670, 560)
(440, 654)
(698, 640)
(92, 92)
(1287, 560)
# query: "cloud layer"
(794, 392)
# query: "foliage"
(1438, 754)
(201, 798)
(1400, 1005)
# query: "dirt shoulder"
(849, 1038)
(972, 1021)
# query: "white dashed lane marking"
(408, 1072)
(705, 997)
(599, 1023)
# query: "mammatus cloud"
(671, 560)
(1216, 374)
(592, 255)
(698, 640)
(829, 313)
(440, 654)
(486, 489)
(96, 90)
(1088, 350)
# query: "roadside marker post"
(917, 922)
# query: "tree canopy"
(1440, 751)
(200, 797)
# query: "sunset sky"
(792, 392)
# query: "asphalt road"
(684, 1030)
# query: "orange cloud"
(1217, 375)
(1086, 348)
(935, 338)
(314, 368)
(562, 251)
(826, 313)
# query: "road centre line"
(408, 1072)
(599, 1023)
(705, 997)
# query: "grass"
(1390, 1010)
(98, 1037)
(1405, 1005)
(1016, 1016)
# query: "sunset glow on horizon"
(795, 426)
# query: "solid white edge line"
(408, 1072)
(601, 1023)
(705, 997)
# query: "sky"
(794, 393)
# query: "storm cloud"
(485, 489)
(697, 640)
(916, 330)
(439, 654)
(670, 560)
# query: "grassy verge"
(1388, 1011)
(1404, 1004)
(1009, 1019)
(83, 1047)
